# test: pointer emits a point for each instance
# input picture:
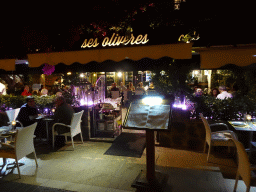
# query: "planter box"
(179, 115)
(86, 122)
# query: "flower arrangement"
(48, 69)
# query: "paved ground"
(88, 169)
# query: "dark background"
(63, 26)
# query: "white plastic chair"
(244, 167)
(23, 145)
(218, 138)
(75, 128)
(12, 115)
(114, 94)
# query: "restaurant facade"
(126, 64)
(128, 59)
(118, 58)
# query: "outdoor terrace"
(88, 169)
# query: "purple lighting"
(84, 102)
(179, 104)
(90, 95)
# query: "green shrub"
(10, 101)
(228, 109)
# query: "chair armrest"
(224, 131)
(230, 134)
(217, 124)
(62, 124)
(19, 123)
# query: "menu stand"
(148, 179)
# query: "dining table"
(246, 126)
(46, 119)
(7, 132)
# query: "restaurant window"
(128, 77)
(148, 76)
(110, 78)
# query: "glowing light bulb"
(248, 117)
(119, 74)
(13, 123)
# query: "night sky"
(63, 26)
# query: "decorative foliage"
(70, 98)
(48, 69)
(150, 13)
(10, 101)
(44, 102)
(172, 82)
(228, 109)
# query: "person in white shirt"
(2, 89)
(223, 93)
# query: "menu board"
(148, 117)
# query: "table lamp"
(248, 117)
(13, 124)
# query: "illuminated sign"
(116, 40)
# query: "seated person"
(26, 91)
(59, 94)
(114, 88)
(34, 93)
(28, 112)
(122, 87)
(44, 92)
(128, 88)
(140, 85)
(198, 92)
(63, 114)
(140, 90)
(223, 93)
(132, 88)
(215, 92)
(151, 86)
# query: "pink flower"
(48, 69)
(143, 9)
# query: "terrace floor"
(88, 169)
